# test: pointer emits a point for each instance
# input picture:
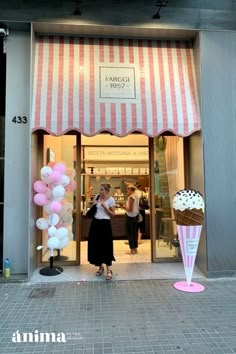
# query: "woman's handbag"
(92, 211)
(143, 202)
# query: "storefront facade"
(207, 136)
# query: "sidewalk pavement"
(132, 316)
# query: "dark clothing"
(141, 225)
(100, 242)
(131, 225)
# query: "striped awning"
(116, 85)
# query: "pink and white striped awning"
(118, 85)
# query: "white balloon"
(53, 243)
(63, 243)
(46, 208)
(53, 219)
(70, 235)
(46, 171)
(52, 231)
(42, 224)
(61, 233)
(65, 180)
(58, 192)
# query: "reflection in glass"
(168, 179)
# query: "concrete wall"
(197, 182)
(33, 208)
(218, 111)
(16, 197)
(34, 156)
(196, 163)
(197, 14)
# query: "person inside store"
(118, 196)
(100, 239)
(131, 218)
(141, 225)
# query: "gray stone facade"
(211, 25)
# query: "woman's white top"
(138, 193)
(101, 213)
(135, 210)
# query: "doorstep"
(122, 271)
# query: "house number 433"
(20, 119)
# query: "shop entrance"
(119, 162)
(156, 165)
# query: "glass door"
(167, 164)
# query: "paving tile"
(138, 316)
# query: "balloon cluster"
(55, 181)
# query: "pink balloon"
(40, 187)
(51, 164)
(55, 176)
(68, 188)
(55, 207)
(73, 185)
(40, 199)
(59, 225)
(59, 167)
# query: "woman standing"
(100, 240)
(141, 224)
(131, 222)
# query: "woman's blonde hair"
(106, 186)
(131, 187)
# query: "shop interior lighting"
(159, 4)
(77, 11)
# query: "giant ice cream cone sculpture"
(188, 206)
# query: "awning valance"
(117, 85)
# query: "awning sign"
(117, 82)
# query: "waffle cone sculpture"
(188, 207)
(189, 217)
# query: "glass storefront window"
(168, 179)
(60, 149)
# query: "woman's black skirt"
(100, 242)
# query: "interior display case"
(118, 226)
(118, 166)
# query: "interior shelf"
(113, 175)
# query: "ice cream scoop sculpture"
(189, 207)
